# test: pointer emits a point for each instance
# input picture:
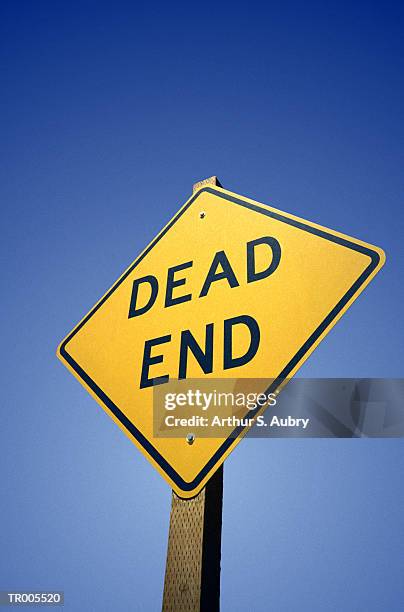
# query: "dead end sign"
(230, 288)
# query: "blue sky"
(109, 113)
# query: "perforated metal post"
(192, 578)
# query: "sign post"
(192, 577)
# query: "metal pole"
(192, 578)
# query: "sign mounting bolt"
(190, 438)
(202, 214)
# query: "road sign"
(230, 288)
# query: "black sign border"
(148, 447)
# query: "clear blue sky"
(109, 113)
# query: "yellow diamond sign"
(230, 288)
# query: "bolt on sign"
(230, 288)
